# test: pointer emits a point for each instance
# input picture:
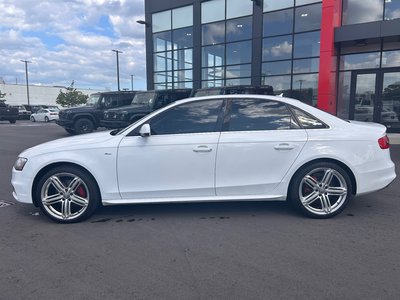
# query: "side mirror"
(145, 130)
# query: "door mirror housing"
(145, 130)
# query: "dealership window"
(278, 22)
(290, 48)
(392, 9)
(226, 42)
(367, 55)
(362, 11)
(173, 48)
(277, 67)
(308, 17)
(270, 5)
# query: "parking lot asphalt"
(241, 250)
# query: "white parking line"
(23, 124)
(5, 203)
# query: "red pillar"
(331, 18)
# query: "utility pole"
(131, 82)
(117, 52)
(26, 75)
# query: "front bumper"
(114, 123)
(65, 123)
(21, 184)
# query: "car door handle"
(284, 146)
(202, 148)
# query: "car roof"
(241, 96)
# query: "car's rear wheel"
(46, 119)
(33, 119)
(320, 190)
(12, 121)
(83, 125)
(67, 194)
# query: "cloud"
(72, 40)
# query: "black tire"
(33, 119)
(67, 206)
(12, 121)
(83, 125)
(70, 131)
(46, 119)
(320, 190)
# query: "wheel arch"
(330, 160)
(49, 167)
(86, 116)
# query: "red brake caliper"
(81, 192)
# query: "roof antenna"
(280, 95)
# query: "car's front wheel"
(33, 119)
(320, 190)
(67, 194)
(83, 125)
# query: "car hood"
(79, 109)
(74, 143)
(130, 108)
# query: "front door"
(178, 159)
(375, 97)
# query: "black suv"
(85, 119)
(235, 89)
(143, 104)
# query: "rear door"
(259, 142)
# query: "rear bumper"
(375, 180)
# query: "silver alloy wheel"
(65, 196)
(323, 191)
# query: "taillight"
(384, 142)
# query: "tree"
(71, 97)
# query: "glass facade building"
(340, 55)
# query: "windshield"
(93, 99)
(144, 98)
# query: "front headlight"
(20, 163)
(124, 115)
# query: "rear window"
(306, 120)
(259, 114)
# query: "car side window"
(306, 120)
(193, 117)
(258, 114)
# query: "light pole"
(132, 82)
(26, 75)
(117, 52)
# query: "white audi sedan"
(217, 148)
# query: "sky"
(71, 40)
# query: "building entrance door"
(375, 97)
